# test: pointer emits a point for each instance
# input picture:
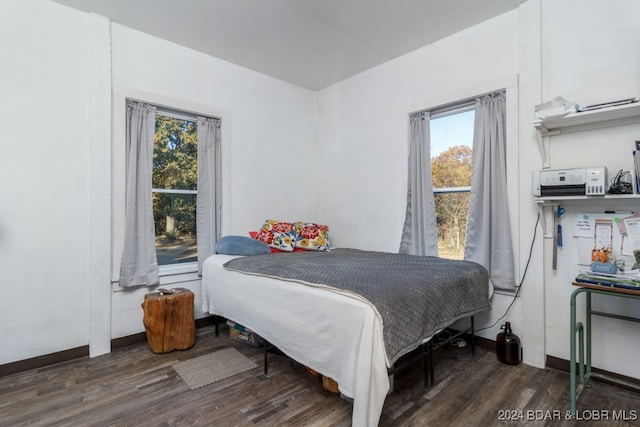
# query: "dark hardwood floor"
(135, 387)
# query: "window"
(171, 161)
(451, 135)
(438, 228)
(175, 187)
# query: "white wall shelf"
(587, 120)
(568, 199)
(552, 202)
(583, 121)
(578, 122)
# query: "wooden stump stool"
(168, 320)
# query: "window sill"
(177, 269)
(169, 275)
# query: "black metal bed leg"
(473, 337)
(266, 352)
(425, 358)
(432, 373)
(216, 324)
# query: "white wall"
(44, 179)
(268, 134)
(582, 50)
(55, 168)
(363, 135)
(355, 132)
(591, 55)
(363, 121)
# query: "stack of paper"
(630, 280)
(557, 107)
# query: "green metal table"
(585, 374)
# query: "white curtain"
(139, 265)
(420, 232)
(488, 229)
(209, 187)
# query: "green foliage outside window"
(452, 168)
(175, 167)
(175, 155)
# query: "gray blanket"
(416, 296)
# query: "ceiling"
(310, 43)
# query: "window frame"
(451, 109)
(508, 83)
(169, 269)
(175, 273)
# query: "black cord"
(524, 274)
(618, 186)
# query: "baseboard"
(565, 365)
(44, 360)
(75, 353)
(121, 342)
(83, 351)
(486, 343)
(553, 362)
(78, 352)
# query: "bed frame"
(426, 355)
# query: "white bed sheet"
(340, 335)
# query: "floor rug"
(212, 367)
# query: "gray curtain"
(208, 209)
(488, 229)
(139, 265)
(420, 232)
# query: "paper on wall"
(595, 231)
(603, 236)
(583, 226)
(632, 226)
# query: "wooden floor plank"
(133, 386)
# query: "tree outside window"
(174, 182)
(451, 168)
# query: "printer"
(570, 182)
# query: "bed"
(346, 313)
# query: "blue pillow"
(241, 245)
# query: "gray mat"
(212, 367)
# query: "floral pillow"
(277, 234)
(254, 235)
(311, 236)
